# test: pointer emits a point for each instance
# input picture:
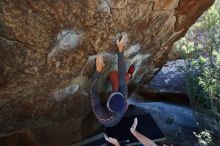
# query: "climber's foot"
(131, 71)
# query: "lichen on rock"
(65, 41)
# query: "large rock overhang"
(47, 51)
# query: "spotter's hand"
(112, 140)
(133, 127)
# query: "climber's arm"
(121, 70)
(94, 84)
(121, 66)
(95, 99)
(99, 110)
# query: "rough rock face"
(47, 51)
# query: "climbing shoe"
(131, 71)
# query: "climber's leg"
(113, 77)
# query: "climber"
(110, 114)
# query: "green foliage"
(201, 50)
(204, 137)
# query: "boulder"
(47, 52)
(169, 84)
(170, 79)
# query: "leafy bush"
(200, 49)
(204, 137)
